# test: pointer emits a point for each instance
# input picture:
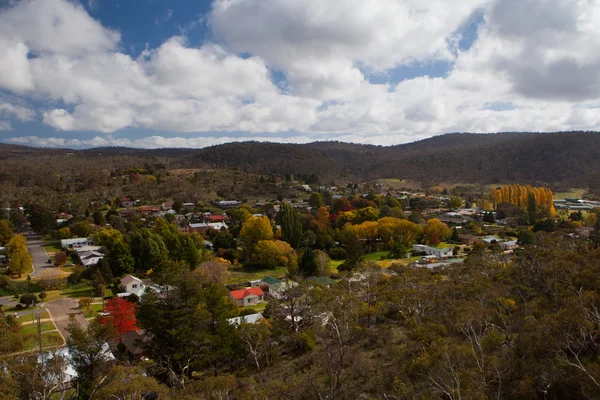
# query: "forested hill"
(563, 159)
(566, 158)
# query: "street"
(39, 256)
(59, 312)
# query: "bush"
(19, 307)
(337, 253)
(4, 281)
(43, 295)
(28, 299)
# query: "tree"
(147, 249)
(64, 233)
(42, 221)
(455, 202)
(213, 271)
(353, 246)
(224, 240)
(60, 257)
(308, 263)
(119, 258)
(98, 217)
(436, 231)
(526, 237)
(121, 316)
(315, 200)
(42, 295)
(82, 228)
(291, 227)
(254, 230)
(6, 231)
(276, 253)
(129, 383)
(454, 238)
(89, 352)
(532, 209)
(85, 303)
(17, 218)
(28, 299)
(20, 260)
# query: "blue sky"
(182, 73)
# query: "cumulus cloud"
(278, 66)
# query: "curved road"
(60, 310)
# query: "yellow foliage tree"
(276, 253)
(436, 231)
(20, 259)
(254, 230)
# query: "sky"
(195, 73)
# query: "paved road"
(39, 256)
(60, 310)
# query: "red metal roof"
(243, 293)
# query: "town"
(271, 274)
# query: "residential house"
(89, 255)
(509, 245)
(148, 210)
(433, 251)
(228, 203)
(276, 287)
(324, 281)
(132, 285)
(203, 227)
(468, 240)
(188, 206)
(306, 188)
(247, 297)
(76, 242)
(248, 319)
(126, 203)
(489, 239)
(215, 218)
(128, 213)
(167, 205)
(133, 342)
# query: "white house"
(76, 242)
(132, 285)
(432, 251)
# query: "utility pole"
(39, 326)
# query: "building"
(248, 319)
(433, 251)
(228, 203)
(203, 227)
(276, 287)
(247, 297)
(133, 342)
(132, 285)
(76, 242)
(468, 240)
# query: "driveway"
(59, 312)
(39, 256)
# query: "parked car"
(49, 261)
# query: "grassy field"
(573, 193)
(239, 275)
(257, 307)
(93, 311)
(52, 247)
(31, 329)
(28, 318)
(49, 339)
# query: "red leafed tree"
(122, 315)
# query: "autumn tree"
(436, 231)
(20, 260)
(6, 231)
(129, 383)
(276, 253)
(254, 230)
(60, 257)
(121, 316)
(308, 265)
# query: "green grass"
(50, 339)
(78, 292)
(573, 193)
(256, 307)
(28, 318)
(31, 329)
(239, 275)
(52, 247)
(93, 312)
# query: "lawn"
(52, 247)
(31, 329)
(28, 318)
(49, 339)
(78, 291)
(239, 275)
(256, 307)
(93, 312)
(573, 193)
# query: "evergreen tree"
(291, 227)
(308, 263)
(454, 238)
(532, 209)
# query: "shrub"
(337, 253)
(19, 307)
(43, 295)
(28, 299)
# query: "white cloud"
(537, 57)
(5, 126)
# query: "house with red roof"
(247, 297)
(215, 218)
